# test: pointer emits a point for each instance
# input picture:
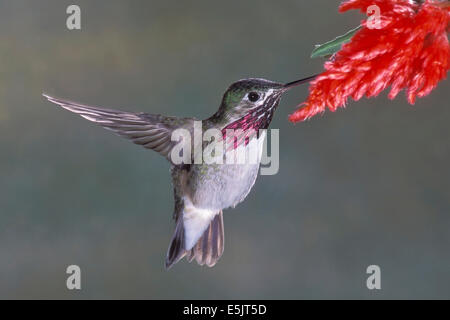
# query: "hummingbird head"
(250, 103)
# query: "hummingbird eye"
(253, 96)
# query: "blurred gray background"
(366, 185)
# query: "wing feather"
(150, 131)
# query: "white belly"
(222, 186)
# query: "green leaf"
(331, 47)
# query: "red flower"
(409, 50)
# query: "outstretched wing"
(148, 130)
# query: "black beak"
(298, 82)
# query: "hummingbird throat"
(256, 119)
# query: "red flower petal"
(409, 51)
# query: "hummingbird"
(201, 191)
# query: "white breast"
(227, 185)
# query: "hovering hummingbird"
(201, 191)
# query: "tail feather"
(208, 249)
(176, 250)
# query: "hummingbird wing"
(148, 130)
